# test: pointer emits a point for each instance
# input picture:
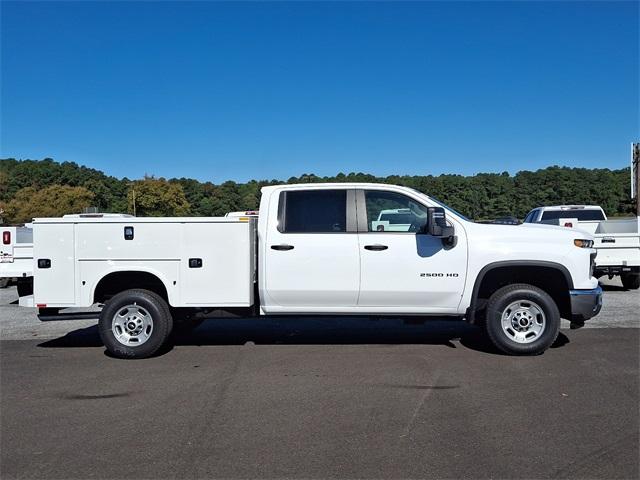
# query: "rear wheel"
(522, 319)
(4, 282)
(135, 324)
(630, 281)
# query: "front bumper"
(585, 304)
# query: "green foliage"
(51, 201)
(483, 196)
(155, 197)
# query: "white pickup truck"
(617, 241)
(315, 250)
(584, 217)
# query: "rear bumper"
(585, 304)
(615, 270)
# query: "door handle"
(282, 247)
(375, 248)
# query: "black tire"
(4, 282)
(528, 294)
(630, 281)
(147, 302)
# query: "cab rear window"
(581, 215)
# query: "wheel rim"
(132, 325)
(523, 321)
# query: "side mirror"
(437, 224)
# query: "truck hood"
(556, 228)
(528, 232)
(536, 243)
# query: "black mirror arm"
(450, 241)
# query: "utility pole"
(635, 174)
(133, 197)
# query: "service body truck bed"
(618, 245)
(316, 249)
(203, 262)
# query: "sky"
(260, 90)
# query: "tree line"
(39, 188)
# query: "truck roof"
(320, 186)
(334, 185)
(572, 207)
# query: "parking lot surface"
(320, 398)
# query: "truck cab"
(318, 249)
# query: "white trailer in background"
(16, 259)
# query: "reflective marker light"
(568, 224)
(6, 238)
(579, 242)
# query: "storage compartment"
(217, 267)
(54, 263)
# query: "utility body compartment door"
(54, 264)
(217, 266)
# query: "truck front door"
(401, 267)
(312, 257)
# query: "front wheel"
(522, 319)
(135, 324)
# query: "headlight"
(579, 242)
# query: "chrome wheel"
(523, 321)
(132, 325)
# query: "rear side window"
(313, 211)
(581, 215)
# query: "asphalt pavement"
(320, 398)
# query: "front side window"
(393, 212)
(313, 211)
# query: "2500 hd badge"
(438, 274)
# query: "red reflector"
(41, 305)
(6, 238)
(568, 224)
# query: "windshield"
(446, 207)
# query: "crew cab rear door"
(312, 257)
(402, 268)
